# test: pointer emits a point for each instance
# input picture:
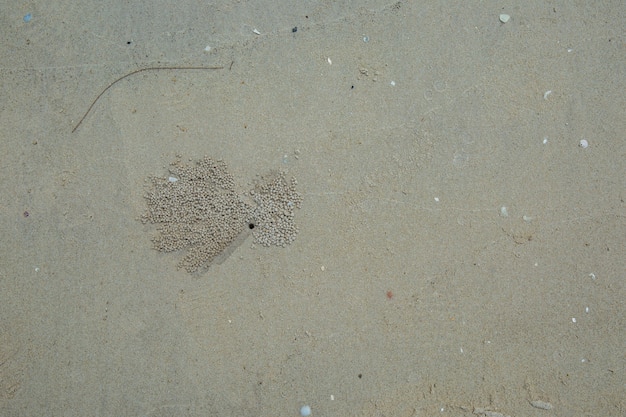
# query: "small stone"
(504, 18)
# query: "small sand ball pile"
(273, 218)
(198, 210)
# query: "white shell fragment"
(546, 94)
(583, 143)
(305, 411)
(504, 18)
(256, 31)
(542, 405)
(504, 212)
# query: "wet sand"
(459, 252)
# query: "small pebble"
(28, 17)
(366, 39)
(583, 143)
(504, 18)
(305, 411)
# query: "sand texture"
(453, 245)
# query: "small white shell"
(542, 405)
(505, 18)
(583, 143)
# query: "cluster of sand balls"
(197, 209)
(272, 219)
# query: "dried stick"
(133, 73)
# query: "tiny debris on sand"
(197, 209)
(542, 405)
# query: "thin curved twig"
(133, 73)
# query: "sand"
(458, 252)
